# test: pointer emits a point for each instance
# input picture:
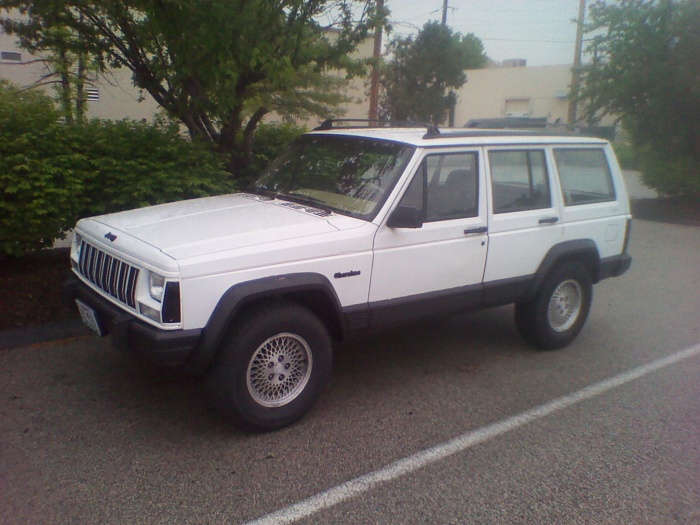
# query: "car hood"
(214, 224)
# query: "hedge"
(51, 174)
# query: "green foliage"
(43, 31)
(38, 181)
(52, 173)
(219, 66)
(134, 164)
(627, 156)
(675, 176)
(644, 71)
(271, 140)
(421, 71)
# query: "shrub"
(51, 173)
(627, 155)
(672, 175)
(40, 186)
(133, 164)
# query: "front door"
(440, 265)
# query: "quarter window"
(519, 180)
(585, 176)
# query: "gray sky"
(540, 31)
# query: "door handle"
(479, 229)
(549, 220)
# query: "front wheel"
(556, 315)
(271, 369)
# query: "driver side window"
(445, 187)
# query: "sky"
(541, 31)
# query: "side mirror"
(405, 217)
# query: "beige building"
(111, 96)
(536, 92)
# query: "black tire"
(271, 368)
(555, 316)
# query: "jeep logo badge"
(110, 236)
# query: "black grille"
(109, 274)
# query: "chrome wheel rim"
(565, 305)
(279, 370)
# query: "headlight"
(156, 286)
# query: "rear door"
(524, 218)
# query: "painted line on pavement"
(399, 468)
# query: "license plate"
(89, 317)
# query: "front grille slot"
(109, 274)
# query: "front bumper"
(164, 347)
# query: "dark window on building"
(11, 55)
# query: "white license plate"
(89, 317)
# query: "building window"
(11, 55)
(93, 94)
(517, 107)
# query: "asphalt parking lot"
(456, 421)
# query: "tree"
(420, 73)
(644, 72)
(44, 32)
(220, 65)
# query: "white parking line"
(362, 484)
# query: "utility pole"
(374, 85)
(451, 94)
(577, 61)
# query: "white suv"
(351, 230)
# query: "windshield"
(347, 175)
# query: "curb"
(31, 335)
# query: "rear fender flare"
(584, 250)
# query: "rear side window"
(519, 180)
(585, 176)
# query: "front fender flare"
(236, 297)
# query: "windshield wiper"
(306, 200)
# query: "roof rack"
(477, 132)
(350, 123)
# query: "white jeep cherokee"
(353, 229)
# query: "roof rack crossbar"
(350, 123)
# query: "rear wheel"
(555, 316)
(270, 370)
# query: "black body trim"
(506, 291)
(164, 347)
(393, 311)
(193, 350)
(582, 249)
(295, 287)
(615, 266)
